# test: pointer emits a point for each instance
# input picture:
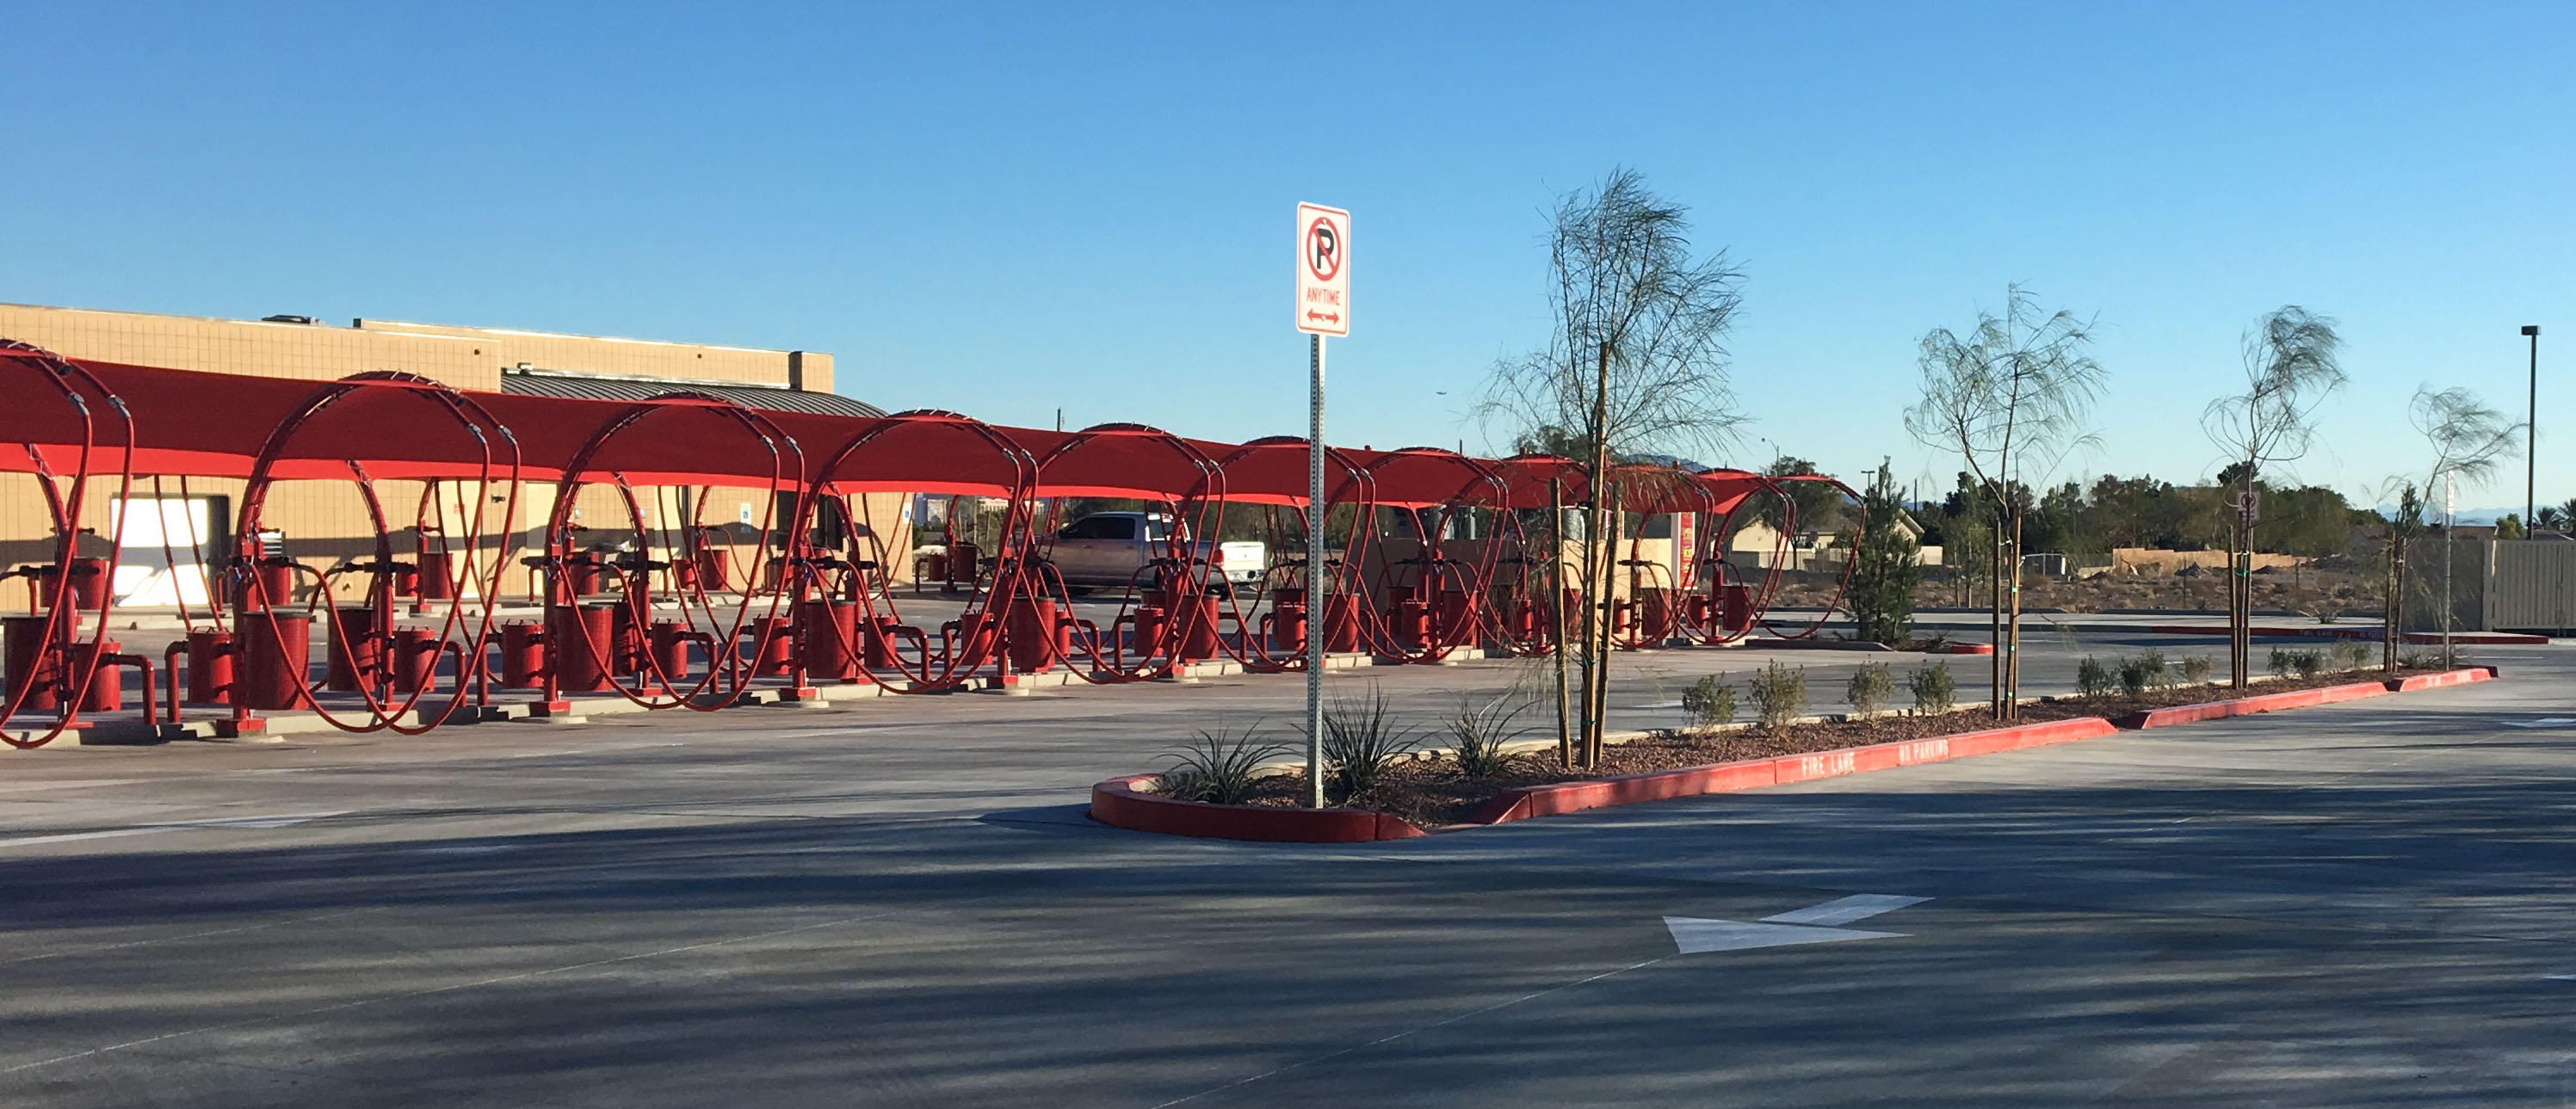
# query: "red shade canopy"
(1420, 477)
(1119, 460)
(216, 425)
(1273, 471)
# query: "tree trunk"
(1556, 609)
(1995, 620)
(1596, 564)
(2236, 568)
(2391, 611)
(2012, 660)
(1601, 673)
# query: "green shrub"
(2415, 660)
(1217, 767)
(1932, 686)
(1779, 695)
(1870, 687)
(1361, 739)
(2158, 673)
(2305, 662)
(1708, 703)
(2350, 654)
(2196, 668)
(2134, 679)
(1479, 729)
(2092, 679)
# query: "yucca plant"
(1217, 767)
(1361, 739)
(1478, 729)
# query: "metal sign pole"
(1316, 605)
(2450, 527)
(1323, 308)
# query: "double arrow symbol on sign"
(1813, 924)
(1333, 317)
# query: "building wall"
(325, 523)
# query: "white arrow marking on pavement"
(279, 821)
(1844, 910)
(2543, 722)
(1813, 924)
(1694, 935)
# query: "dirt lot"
(2339, 590)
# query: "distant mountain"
(2468, 516)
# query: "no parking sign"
(1323, 270)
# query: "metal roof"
(603, 387)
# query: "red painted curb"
(2447, 677)
(1729, 777)
(2473, 639)
(1117, 802)
(2248, 706)
(1971, 648)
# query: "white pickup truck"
(1109, 548)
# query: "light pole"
(2531, 431)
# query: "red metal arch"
(272, 660)
(51, 661)
(1166, 617)
(1436, 604)
(575, 643)
(1273, 473)
(917, 452)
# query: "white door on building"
(162, 561)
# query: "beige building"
(171, 534)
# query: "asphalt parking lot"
(898, 903)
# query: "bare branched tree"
(1636, 365)
(2011, 396)
(2469, 439)
(2291, 367)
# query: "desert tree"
(1635, 364)
(1805, 506)
(1888, 565)
(2012, 395)
(2469, 439)
(2292, 364)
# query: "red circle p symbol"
(1323, 249)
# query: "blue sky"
(1006, 209)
